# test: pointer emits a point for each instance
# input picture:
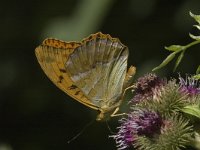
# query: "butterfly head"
(108, 111)
(103, 116)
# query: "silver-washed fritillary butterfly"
(93, 71)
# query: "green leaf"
(166, 61)
(193, 110)
(197, 77)
(175, 48)
(198, 70)
(196, 17)
(194, 37)
(197, 26)
(180, 57)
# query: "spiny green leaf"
(180, 57)
(166, 61)
(194, 37)
(196, 17)
(193, 110)
(198, 70)
(174, 48)
(197, 77)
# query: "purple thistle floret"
(139, 122)
(148, 122)
(148, 87)
(125, 136)
(189, 86)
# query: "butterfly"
(93, 71)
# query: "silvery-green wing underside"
(98, 68)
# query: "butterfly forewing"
(52, 56)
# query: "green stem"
(191, 44)
(187, 46)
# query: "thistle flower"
(189, 86)
(156, 121)
(139, 122)
(148, 87)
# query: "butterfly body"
(93, 71)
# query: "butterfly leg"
(130, 73)
(130, 87)
(114, 114)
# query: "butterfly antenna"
(112, 132)
(79, 133)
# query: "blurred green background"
(35, 114)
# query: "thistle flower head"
(147, 87)
(139, 122)
(189, 86)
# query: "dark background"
(35, 114)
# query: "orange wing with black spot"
(52, 55)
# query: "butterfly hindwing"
(98, 67)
